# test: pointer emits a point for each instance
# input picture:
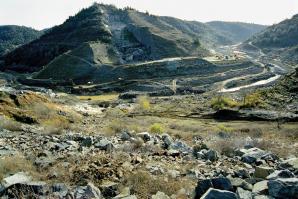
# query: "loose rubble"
(251, 173)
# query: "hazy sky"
(41, 14)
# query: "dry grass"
(144, 185)
(13, 164)
(9, 124)
(104, 97)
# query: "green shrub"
(224, 128)
(252, 100)
(221, 102)
(157, 128)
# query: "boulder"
(251, 155)
(243, 194)
(167, 140)
(219, 194)
(125, 136)
(221, 183)
(125, 192)
(109, 189)
(60, 190)
(238, 182)
(202, 187)
(211, 155)
(280, 174)
(260, 187)
(160, 195)
(87, 141)
(262, 172)
(18, 178)
(104, 144)
(145, 136)
(283, 188)
(292, 163)
(87, 192)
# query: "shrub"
(157, 128)
(224, 128)
(221, 102)
(252, 100)
(144, 102)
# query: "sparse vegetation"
(222, 102)
(144, 102)
(9, 124)
(143, 185)
(157, 128)
(13, 164)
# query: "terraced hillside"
(125, 36)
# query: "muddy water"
(258, 83)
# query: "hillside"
(283, 34)
(236, 31)
(280, 39)
(127, 35)
(12, 37)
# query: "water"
(258, 83)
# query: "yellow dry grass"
(104, 97)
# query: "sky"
(40, 14)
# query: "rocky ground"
(140, 165)
(140, 149)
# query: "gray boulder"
(88, 192)
(251, 155)
(283, 188)
(263, 172)
(221, 183)
(280, 174)
(18, 178)
(145, 136)
(243, 194)
(219, 194)
(211, 155)
(104, 144)
(260, 188)
(167, 140)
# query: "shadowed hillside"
(12, 37)
(236, 31)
